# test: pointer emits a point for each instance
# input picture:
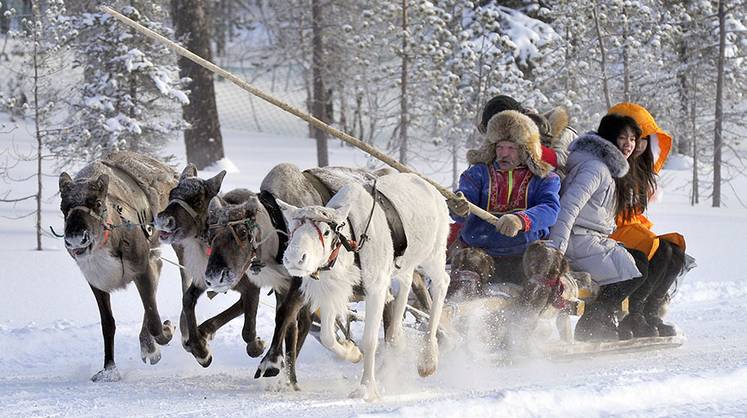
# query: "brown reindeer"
(184, 222)
(108, 209)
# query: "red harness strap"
(557, 286)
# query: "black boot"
(659, 298)
(654, 310)
(635, 325)
(596, 324)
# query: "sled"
(585, 350)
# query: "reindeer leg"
(291, 341)
(146, 284)
(109, 373)
(347, 350)
(375, 300)
(394, 336)
(208, 328)
(149, 351)
(186, 282)
(196, 343)
(439, 284)
(286, 314)
(420, 290)
(249, 303)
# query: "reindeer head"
(314, 237)
(84, 206)
(234, 236)
(186, 214)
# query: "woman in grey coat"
(587, 218)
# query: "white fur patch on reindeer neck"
(102, 270)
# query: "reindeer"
(108, 209)
(184, 221)
(329, 273)
(251, 236)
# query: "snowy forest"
(410, 78)
(406, 76)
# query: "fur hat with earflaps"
(518, 128)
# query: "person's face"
(507, 155)
(640, 147)
(626, 141)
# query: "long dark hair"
(639, 184)
(627, 190)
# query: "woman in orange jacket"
(665, 252)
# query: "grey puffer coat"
(587, 211)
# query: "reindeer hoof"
(205, 362)
(367, 392)
(168, 332)
(107, 375)
(354, 354)
(269, 368)
(150, 353)
(271, 372)
(255, 348)
(428, 362)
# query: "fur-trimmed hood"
(599, 148)
(518, 128)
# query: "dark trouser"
(612, 295)
(597, 322)
(663, 270)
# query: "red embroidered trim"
(498, 191)
(526, 219)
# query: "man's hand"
(508, 225)
(459, 205)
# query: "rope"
(481, 213)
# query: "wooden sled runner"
(578, 350)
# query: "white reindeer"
(316, 252)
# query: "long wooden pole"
(288, 108)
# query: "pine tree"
(130, 88)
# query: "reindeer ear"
(65, 181)
(250, 206)
(101, 184)
(287, 209)
(213, 184)
(341, 213)
(189, 171)
(215, 204)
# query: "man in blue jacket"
(507, 178)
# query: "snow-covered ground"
(50, 338)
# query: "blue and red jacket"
(534, 199)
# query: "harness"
(107, 224)
(251, 225)
(276, 217)
(192, 213)
(394, 221)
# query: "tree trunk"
(603, 54)
(37, 122)
(454, 165)
(403, 110)
(318, 101)
(717, 139)
(683, 142)
(203, 139)
(4, 20)
(695, 198)
(626, 58)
